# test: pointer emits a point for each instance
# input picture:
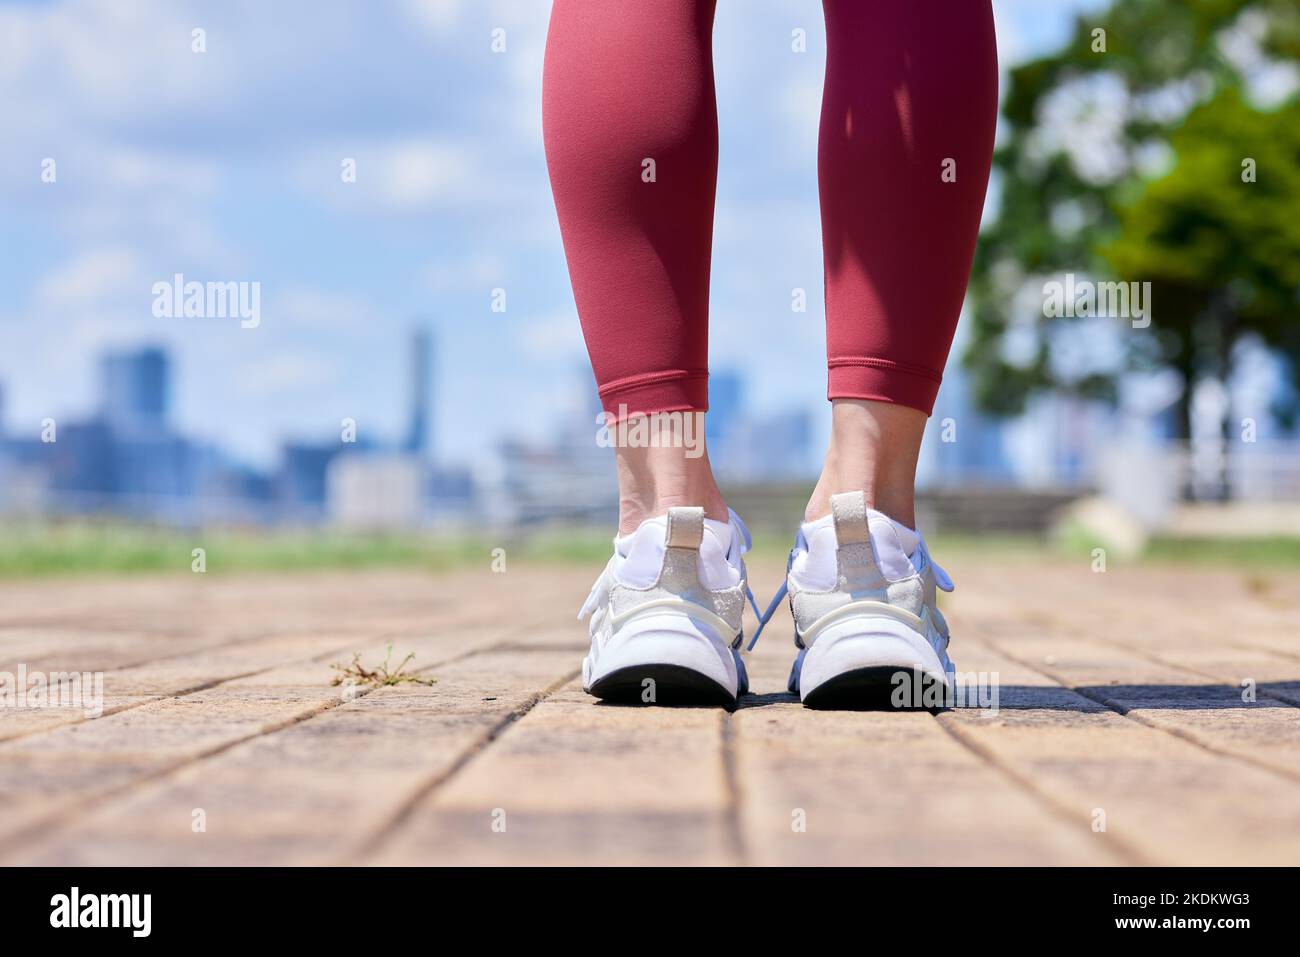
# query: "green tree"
(1136, 154)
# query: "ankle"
(893, 496)
(874, 449)
(651, 481)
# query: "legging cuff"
(673, 390)
(883, 380)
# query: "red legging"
(908, 112)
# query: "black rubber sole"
(661, 685)
(875, 689)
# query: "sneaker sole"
(871, 689)
(687, 662)
(660, 685)
(857, 666)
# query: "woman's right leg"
(631, 135)
(632, 148)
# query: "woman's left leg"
(906, 144)
(908, 115)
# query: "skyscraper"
(134, 389)
(419, 440)
(726, 404)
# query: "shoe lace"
(765, 617)
(941, 578)
(746, 543)
(599, 593)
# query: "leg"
(906, 143)
(632, 149)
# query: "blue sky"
(225, 165)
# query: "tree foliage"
(1148, 152)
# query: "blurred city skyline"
(227, 165)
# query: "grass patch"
(40, 549)
(65, 548)
(90, 548)
(358, 674)
(1279, 550)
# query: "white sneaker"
(867, 623)
(666, 613)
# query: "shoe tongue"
(651, 538)
(623, 544)
(893, 544)
(890, 540)
(908, 538)
(653, 532)
(641, 554)
(721, 534)
(809, 529)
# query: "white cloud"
(320, 309)
(438, 17)
(413, 175)
(552, 337)
(479, 270)
(100, 59)
(421, 173)
(132, 168)
(276, 375)
(94, 278)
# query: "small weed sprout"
(380, 676)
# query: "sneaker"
(867, 624)
(666, 613)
